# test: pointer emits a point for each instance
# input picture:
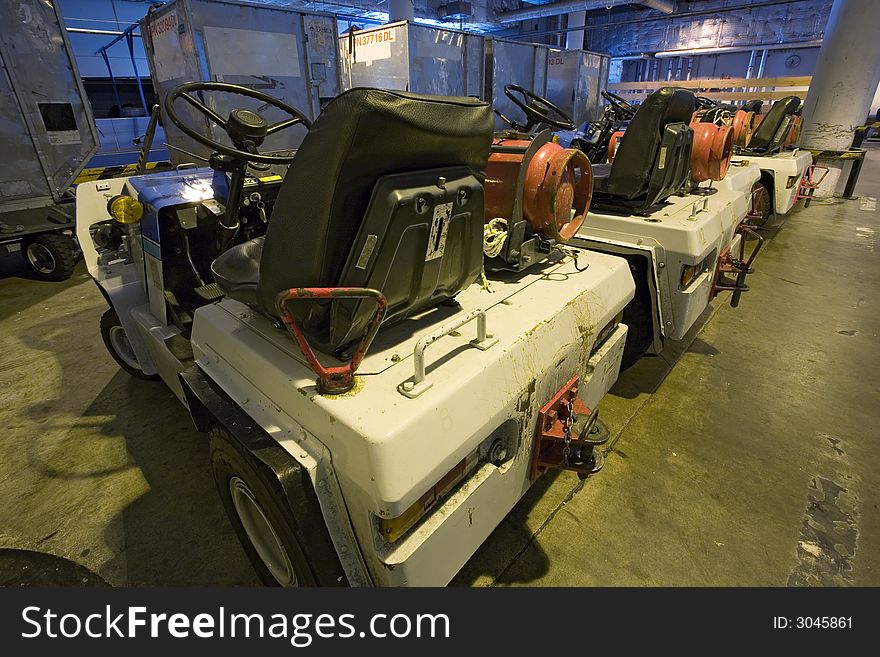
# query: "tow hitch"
(731, 271)
(566, 435)
(807, 187)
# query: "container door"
(377, 57)
(515, 63)
(322, 53)
(437, 61)
(171, 53)
(47, 133)
(261, 48)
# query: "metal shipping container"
(570, 79)
(411, 57)
(47, 133)
(289, 54)
(575, 80)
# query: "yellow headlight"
(125, 209)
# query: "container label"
(167, 57)
(373, 45)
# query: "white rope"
(494, 237)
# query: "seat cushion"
(237, 271)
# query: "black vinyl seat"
(237, 271)
(654, 158)
(770, 135)
(385, 192)
(753, 106)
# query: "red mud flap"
(332, 380)
(731, 272)
(808, 186)
(566, 435)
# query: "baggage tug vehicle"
(653, 205)
(374, 410)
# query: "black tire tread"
(63, 249)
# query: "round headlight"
(125, 209)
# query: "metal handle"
(331, 380)
(414, 387)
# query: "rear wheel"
(117, 343)
(51, 256)
(262, 520)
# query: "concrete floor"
(744, 456)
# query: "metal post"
(845, 78)
(400, 10)
(147, 144)
(112, 79)
(574, 40)
(130, 41)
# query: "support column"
(400, 10)
(846, 76)
(575, 40)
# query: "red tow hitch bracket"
(566, 434)
(807, 186)
(332, 380)
(742, 267)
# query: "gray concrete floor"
(746, 455)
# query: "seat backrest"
(673, 170)
(752, 106)
(420, 244)
(777, 121)
(361, 137)
(640, 153)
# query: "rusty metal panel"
(289, 54)
(47, 132)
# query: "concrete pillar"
(846, 76)
(400, 10)
(575, 40)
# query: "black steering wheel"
(703, 102)
(246, 129)
(623, 107)
(536, 108)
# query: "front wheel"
(117, 343)
(51, 256)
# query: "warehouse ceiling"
(477, 15)
(786, 20)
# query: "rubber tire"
(227, 461)
(638, 316)
(63, 249)
(109, 320)
(639, 335)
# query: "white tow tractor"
(684, 243)
(783, 166)
(257, 295)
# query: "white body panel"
(122, 282)
(387, 450)
(687, 230)
(787, 169)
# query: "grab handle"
(419, 382)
